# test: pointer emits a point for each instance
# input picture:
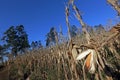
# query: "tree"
(99, 29)
(73, 31)
(2, 52)
(51, 37)
(36, 44)
(16, 39)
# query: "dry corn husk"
(90, 61)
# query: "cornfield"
(89, 56)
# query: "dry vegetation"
(59, 62)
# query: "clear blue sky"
(38, 16)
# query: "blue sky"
(38, 16)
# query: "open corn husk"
(90, 61)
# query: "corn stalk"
(115, 4)
(60, 56)
(73, 69)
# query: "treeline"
(15, 39)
